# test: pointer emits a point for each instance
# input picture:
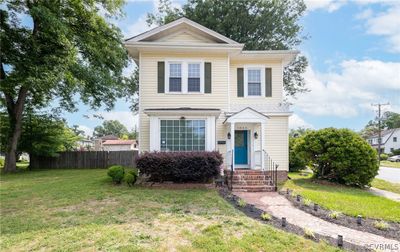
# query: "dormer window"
(175, 77)
(184, 76)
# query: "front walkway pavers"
(386, 194)
(279, 206)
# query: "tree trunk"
(15, 116)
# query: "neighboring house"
(200, 91)
(85, 144)
(98, 142)
(119, 145)
(390, 140)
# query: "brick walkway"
(279, 206)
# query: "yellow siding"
(185, 37)
(149, 98)
(277, 83)
(276, 140)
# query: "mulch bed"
(255, 213)
(367, 224)
(174, 186)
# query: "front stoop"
(251, 181)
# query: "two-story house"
(199, 90)
(390, 140)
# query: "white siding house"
(390, 140)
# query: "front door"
(241, 151)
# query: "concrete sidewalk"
(279, 206)
(386, 194)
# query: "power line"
(379, 105)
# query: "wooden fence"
(85, 160)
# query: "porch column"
(262, 133)
(233, 144)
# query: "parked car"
(394, 158)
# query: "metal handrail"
(271, 169)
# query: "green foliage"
(68, 50)
(339, 155)
(1, 162)
(381, 225)
(117, 173)
(110, 127)
(241, 203)
(309, 233)
(396, 152)
(307, 202)
(335, 215)
(296, 161)
(131, 176)
(42, 135)
(384, 156)
(265, 216)
(390, 120)
(259, 24)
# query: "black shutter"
(240, 82)
(161, 77)
(207, 77)
(268, 82)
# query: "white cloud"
(351, 90)
(127, 118)
(328, 5)
(386, 24)
(296, 122)
(138, 27)
(88, 131)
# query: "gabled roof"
(247, 115)
(176, 25)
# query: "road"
(389, 174)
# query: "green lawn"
(386, 185)
(390, 164)
(73, 210)
(348, 200)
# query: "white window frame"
(246, 82)
(185, 75)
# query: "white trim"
(184, 74)
(140, 100)
(180, 21)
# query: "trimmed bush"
(296, 161)
(131, 176)
(339, 155)
(384, 156)
(180, 166)
(116, 172)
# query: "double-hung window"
(175, 77)
(194, 77)
(185, 76)
(254, 82)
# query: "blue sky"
(354, 55)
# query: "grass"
(386, 185)
(348, 200)
(390, 164)
(70, 210)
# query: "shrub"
(296, 161)
(265, 216)
(307, 202)
(131, 176)
(116, 172)
(1, 162)
(309, 233)
(384, 156)
(396, 152)
(242, 203)
(335, 215)
(180, 166)
(339, 155)
(381, 225)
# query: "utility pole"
(379, 105)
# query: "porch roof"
(184, 111)
(247, 115)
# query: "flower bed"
(257, 214)
(392, 230)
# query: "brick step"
(240, 188)
(250, 177)
(250, 172)
(252, 182)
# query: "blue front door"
(241, 147)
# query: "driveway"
(389, 174)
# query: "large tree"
(259, 24)
(389, 120)
(59, 50)
(110, 127)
